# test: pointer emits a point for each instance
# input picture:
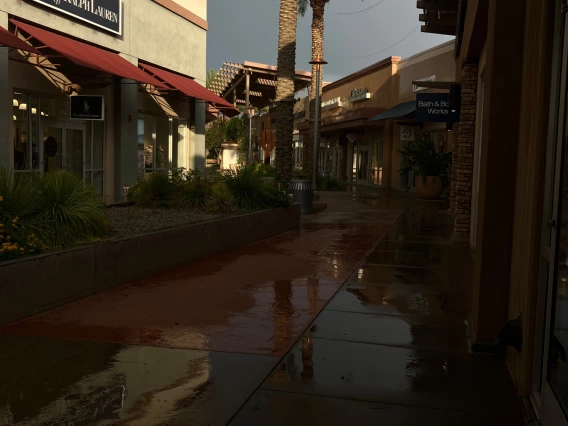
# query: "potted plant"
(430, 167)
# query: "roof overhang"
(230, 83)
(439, 16)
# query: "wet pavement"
(360, 314)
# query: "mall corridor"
(358, 315)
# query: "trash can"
(302, 192)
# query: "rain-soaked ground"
(356, 318)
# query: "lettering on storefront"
(332, 103)
(416, 88)
(358, 95)
(300, 114)
(105, 14)
(435, 108)
(87, 108)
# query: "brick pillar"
(454, 176)
(466, 138)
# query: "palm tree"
(210, 77)
(318, 9)
(285, 87)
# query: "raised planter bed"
(39, 283)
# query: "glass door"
(363, 164)
(63, 147)
(551, 397)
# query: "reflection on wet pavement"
(53, 382)
(391, 346)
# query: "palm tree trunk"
(318, 9)
(285, 87)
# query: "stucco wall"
(150, 32)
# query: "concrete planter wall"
(39, 283)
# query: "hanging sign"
(435, 108)
(358, 95)
(105, 14)
(87, 108)
(416, 88)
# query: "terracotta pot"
(431, 189)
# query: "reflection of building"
(152, 116)
(370, 114)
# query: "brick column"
(466, 138)
(454, 176)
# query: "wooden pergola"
(251, 84)
(439, 16)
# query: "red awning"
(89, 56)
(10, 40)
(192, 89)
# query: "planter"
(303, 193)
(35, 284)
(429, 187)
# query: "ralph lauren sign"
(105, 14)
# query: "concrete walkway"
(235, 339)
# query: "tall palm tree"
(318, 9)
(285, 87)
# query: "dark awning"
(401, 110)
(10, 40)
(89, 56)
(191, 88)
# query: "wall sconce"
(15, 103)
(34, 111)
(15, 118)
(42, 113)
(23, 107)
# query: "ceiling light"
(15, 102)
(23, 107)
(15, 118)
(34, 111)
(42, 113)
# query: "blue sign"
(105, 14)
(435, 108)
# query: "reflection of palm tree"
(282, 314)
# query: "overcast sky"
(247, 30)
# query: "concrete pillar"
(498, 165)
(6, 96)
(126, 135)
(197, 125)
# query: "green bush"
(220, 200)
(157, 192)
(194, 193)
(69, 212)
(19, 192)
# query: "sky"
(247, 30)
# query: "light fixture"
(455, 97)
(449, 126)
(15, 118)
(34, 111)
(42, 113)
(23, 107)
(15, 102)
(46, 114)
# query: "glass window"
(20, 109)
(162, 149)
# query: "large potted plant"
(429, 166)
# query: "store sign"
(87, 108)
(332, 103)
(416, 88)
(358, 95)
(105, 14)
(435, 108)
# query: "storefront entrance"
(363, 164)
(63, 146)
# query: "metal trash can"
(302, 192)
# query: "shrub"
(20, 193)
(194, 193)
(220, 200)
(69, 212)
(157, 192)
(16, 239)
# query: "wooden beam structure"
(439, 29)
(438, 5)
(439, 18)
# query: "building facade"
(369, 115)
(509, 197)
(124, 55)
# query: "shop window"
(25, 112)
(94, 155)
(162, 144)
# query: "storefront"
(76, 105)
